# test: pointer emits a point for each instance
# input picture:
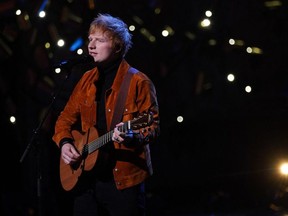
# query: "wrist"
(65, 141)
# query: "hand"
(129, 139)
(69, 154)
(117, 135)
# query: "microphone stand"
(38, 149)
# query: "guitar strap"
(119, 107)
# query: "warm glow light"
(272, 4)
(212, 42)
(138, 20)
(284, 169)
(157, 10)
(148, 35)
(190, 35)
(47, 45)
(26, 17)
(205, 23)
(255, 50)
(236, 42)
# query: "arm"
(146, 102)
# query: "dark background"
(222, 159)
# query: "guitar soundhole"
(75, 166)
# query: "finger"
(75, 152)
(117, 139)
(120, 124)
(65, 159)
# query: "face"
(101, 47)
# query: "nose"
(91, 45)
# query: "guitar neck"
(141, 121)
(102, 140)
(99, 142)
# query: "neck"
(104, 69)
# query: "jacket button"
(126, 110)
(116, 170)
(109, 110)
(118, 183)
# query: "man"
(111, 173)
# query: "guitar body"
(70, 174)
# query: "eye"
(102, 40)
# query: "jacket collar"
(121, 72)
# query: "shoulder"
(88, 78)
(90, 75)
(141, 76)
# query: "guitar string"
(96, 144)
(102, 140)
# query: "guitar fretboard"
(102, 140)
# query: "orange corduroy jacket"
(136, 165)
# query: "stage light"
(180, 119)
(236, 42)
(168, 31)
(284, 169)
(41, 11)
(248, 89)
(57, 70)
(42, 14)
(254, 50)
(138, 20)
(80, 51)
(18, 12)
(60, 42)
(165, 33)
(77, 44)
(157, 10)
(230, 77)
(148, 35)
(132, 28)
(208, 13)
(13, 119)
(190, 35)
(205, 23)
(273, 4)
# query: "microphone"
(75, 61)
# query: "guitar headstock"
(142, 120)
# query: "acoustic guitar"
(88, 144)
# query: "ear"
(118, 49)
